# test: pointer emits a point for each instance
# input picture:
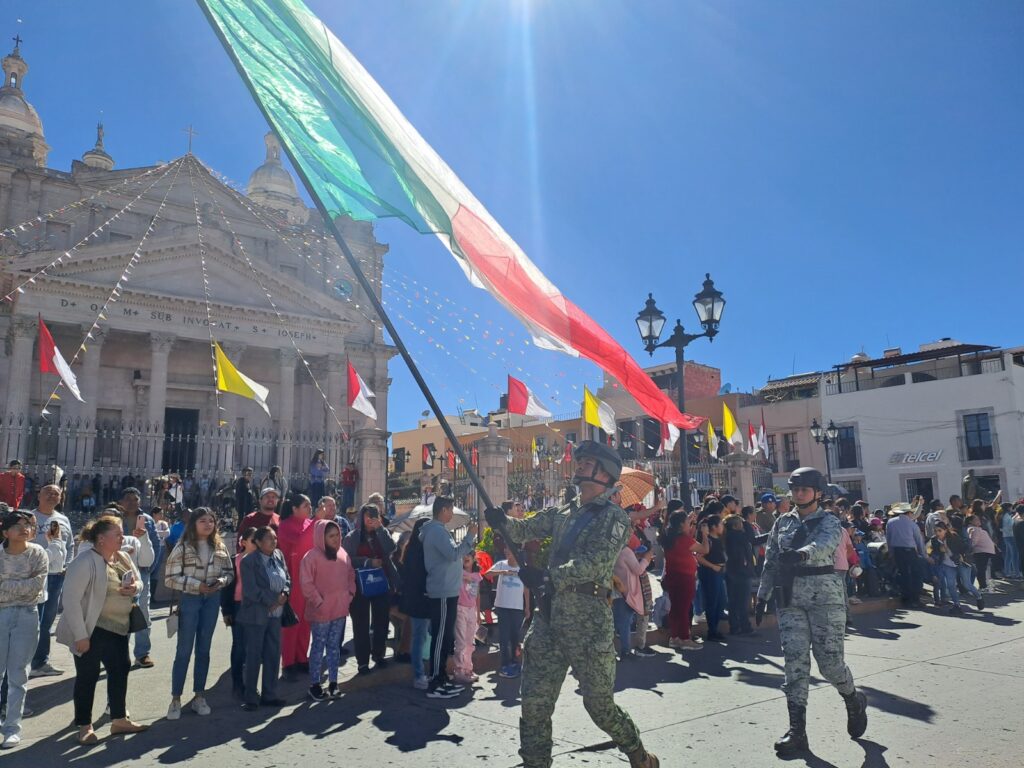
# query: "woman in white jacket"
(99, 590)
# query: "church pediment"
(171, 266)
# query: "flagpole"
(353, 263)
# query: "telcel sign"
(921, 457)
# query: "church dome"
(272, 186)
(97, 157)
(20, 125)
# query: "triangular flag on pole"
(712, 440)
(522, 401)
(598, 413)
(232, 380)
(730, 429)
(669, 436)
(52, 361)
(535, 457)
(359, 394)
(762, 438)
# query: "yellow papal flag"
(230, 379)
(598, 413)
(730, 429)
(712, 440)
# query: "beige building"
(140, 240)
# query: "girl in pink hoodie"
(328, 583)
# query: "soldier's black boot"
(641, 758)
(856, 714)
(795, 739)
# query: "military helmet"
(807, 477)
(607, 458)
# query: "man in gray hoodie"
(443, 560)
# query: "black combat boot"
(795, 739)
(856, 714)
(641, 758)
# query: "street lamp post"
(709, 305)
(825, 436)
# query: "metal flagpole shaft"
(354, 264)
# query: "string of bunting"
(115, 292)
(270, 299)
(20, 288)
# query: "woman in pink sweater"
(328, 583)
(630, 601)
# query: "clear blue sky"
(851, 173)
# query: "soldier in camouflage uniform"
(799, 572)
(577, 629)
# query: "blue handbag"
(373, 582)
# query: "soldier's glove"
(532, 577)
(759, 611)
(792, 557)
(495, 517)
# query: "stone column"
(493, 466)
(371, 461)
(741, 466)
(285, 411)
(160, 344)
(89, 385)
(19, 385)
(336, 397)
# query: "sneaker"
(644, 653)
(364, 670)
(45, 671)
(674, 642)
(200, 707)
(690, 644)
(981, 603)
(316, 693)
(855, 601)
(506, 671)
(11, 741)
(146, 662)
(516, 669)
(421, 683)
(334, 691)
(453, 686)
(442, 692)
(174, 711)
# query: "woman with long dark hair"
(318, 472)
(415, 604)
(679, 542)
(265, 589)
(369, 547)
(198, 567)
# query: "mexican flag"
(363, 159)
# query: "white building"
(916, 423)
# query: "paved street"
(938, 687)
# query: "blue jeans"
(622, 616)
(946, 583)
(196, 621)
(143, 645)
(418, 646)
(237, 653)
(47, 614)
(1011, 558)
(19, 634)
(712, 584)
(510, 623)
(966, 575)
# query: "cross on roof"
(17, 40)
(190, 133)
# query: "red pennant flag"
(451, 459)
(568, 452)
(522, 401)
(474, 456)
(52, 361)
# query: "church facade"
(136, 272)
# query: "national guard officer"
(799, 572)
(572, 625)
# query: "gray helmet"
(607, 458)
(807, 477)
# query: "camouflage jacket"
(820, 547)
(595, 551)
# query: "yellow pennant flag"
(535, 457)
(230, 379)
(730, 429)
(712, 440)
(598, 413)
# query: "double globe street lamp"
(709, 305)
(825, 436)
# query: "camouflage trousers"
(579, 637)
(820, 628)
